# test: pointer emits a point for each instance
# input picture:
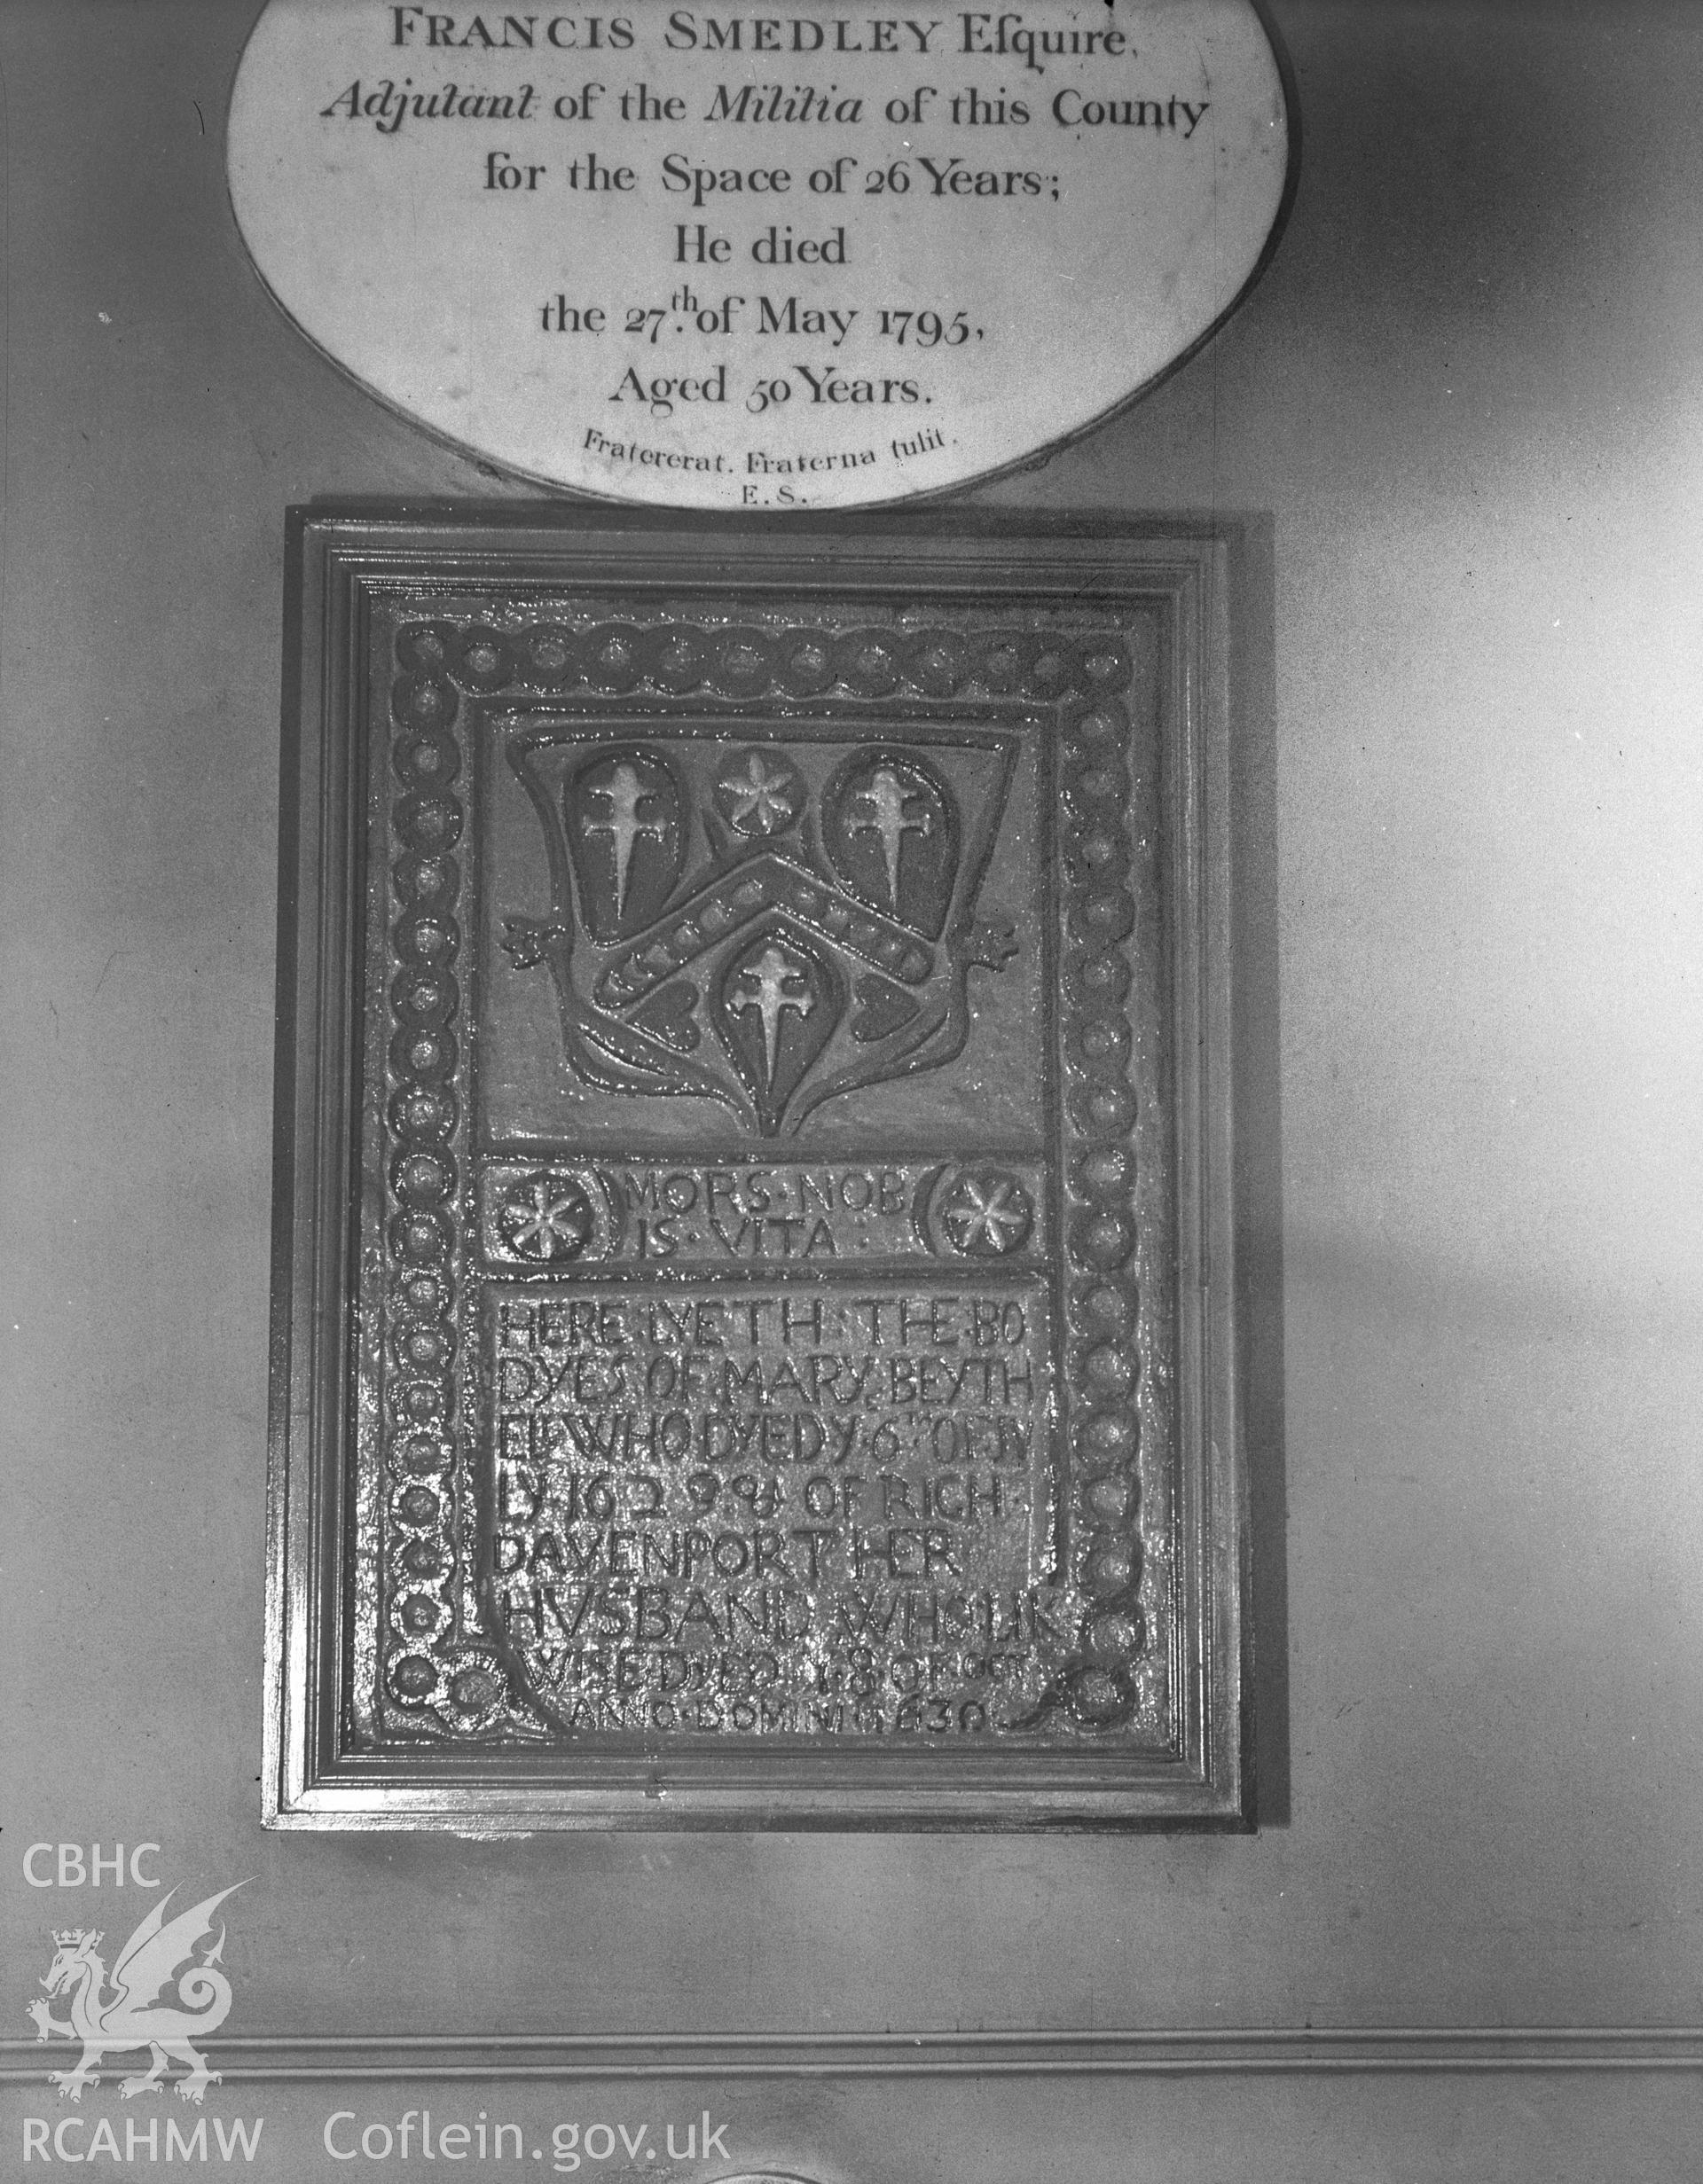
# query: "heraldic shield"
(767, 919)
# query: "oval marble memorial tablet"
(781, 255)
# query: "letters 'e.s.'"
(164, 1986)
(736, 261)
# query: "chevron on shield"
(767, 922)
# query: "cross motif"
(886, 798)
(763, 987)
(624, 826)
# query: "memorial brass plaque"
(753, 1134)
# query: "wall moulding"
(1229, 2051)
(754, 1333)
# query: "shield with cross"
(766, 919)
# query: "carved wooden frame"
(390, 1700)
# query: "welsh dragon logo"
(159, 1991)
(767, 923)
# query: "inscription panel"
(742, 261)
(776, 1389)
(745, 1512)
